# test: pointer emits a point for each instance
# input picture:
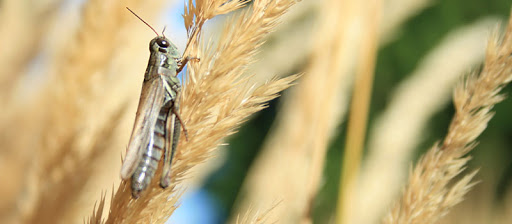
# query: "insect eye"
(162, 43)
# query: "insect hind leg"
(181, 122)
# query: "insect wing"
(151, 100)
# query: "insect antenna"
(143, 21)
(163, 34)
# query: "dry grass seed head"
(208, 107)
(405, 119)
(67, 132)
(429, 195)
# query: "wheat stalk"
(405, 118)
(430, 193)
(359, 110)
(215, 99)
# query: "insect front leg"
(182, 62)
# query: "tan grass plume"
(66, 127)
(432, 190)
(305, 123)
(339, 30)
(253, 216)
(396, 132)
(20, 24)
(216, 99)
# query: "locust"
(157, 126)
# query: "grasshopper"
(156, 130)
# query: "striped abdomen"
(145, 171)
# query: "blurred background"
(63, 88)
